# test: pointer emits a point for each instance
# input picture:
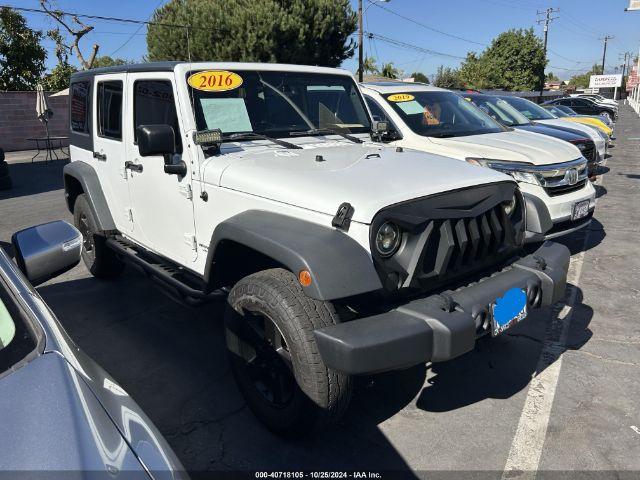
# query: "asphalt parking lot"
(559, 392)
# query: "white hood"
(368, 176)
(590, 131)
(516, 146)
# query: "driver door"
(162, 203)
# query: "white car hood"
(591, 131)
(516, 146)
(369, 176)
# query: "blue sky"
(574, 43)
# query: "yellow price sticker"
(215, 81)
(400, 97)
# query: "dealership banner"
(634, 5)
(605, 81)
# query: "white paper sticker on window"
(227, 114)
(411, 108)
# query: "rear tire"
(274, 356)
(98, 258)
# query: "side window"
(110, 109)
(80, 107)
(154, 104)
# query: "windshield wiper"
(326, 131)
(258, 136)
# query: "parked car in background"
(586, 106)
(508, 116)
(601, 123)
(597, 98)
(59, 411)
(536, 113)
(551, 173)
(608, 122)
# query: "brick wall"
(18, 120)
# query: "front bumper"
(550, 217)
(442, 326)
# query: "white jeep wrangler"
(338, 256)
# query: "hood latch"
(342, 219)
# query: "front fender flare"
(339, 266)
(88, 179)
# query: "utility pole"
(604, 53)
(546, 20)
(360, 41)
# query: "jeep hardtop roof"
(184, 67)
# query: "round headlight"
(509, 206)
(387, 239)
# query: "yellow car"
(584, 119)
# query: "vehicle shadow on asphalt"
(34, 178)
(500, 367)
(172, 361)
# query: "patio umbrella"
(42, 109)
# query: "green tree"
(107, 61)
(369, 66)
(515, 60)
(389, 70)
(59, 77)
(21, 55)
(551, 77)
(312, 32)
(447, 77)
(582, 81)
(420, 77)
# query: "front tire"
(98, 258)
(606, 115)
(274, 356)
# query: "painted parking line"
(526, 448)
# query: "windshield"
(556, 111)
(280, 103)
(567, 110)
(529, 109)
(500, 110)
(15, 341)
(441, 114)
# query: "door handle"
(134, 167)
(100, 156)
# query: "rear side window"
(80, 107)
(110, 109)
(154, 104)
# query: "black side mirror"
(48, 250)
(156, 140)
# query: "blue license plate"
(508, 310)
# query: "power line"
(410, 46)
(136, 32)
(96, 17)
(409, 19)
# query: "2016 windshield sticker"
(400, 97)
(215, 81)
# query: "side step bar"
(187, 286)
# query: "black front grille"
(449, 237)
(562, 189)
(456, 244)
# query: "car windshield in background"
(441, 114)
(556, 111)
(278, 104)
(528, 108)
(568, 110)
(499, 110)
